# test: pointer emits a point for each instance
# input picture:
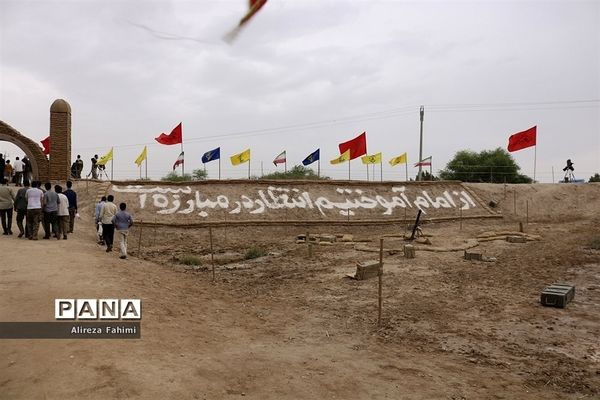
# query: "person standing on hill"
(21, 210)
(122, 222)
(94, 170)
(72, 196)
(7, 199)
(18, 167)
(63, 213)
(78, 166)
(109, 210)
(35, 201)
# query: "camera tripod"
(569, 176)
(99, 173)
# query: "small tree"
(494, 166)
(595, 178)
(175, 177)
(426, 176)
(297, 172)
(199, 175)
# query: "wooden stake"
(515, 201)
(380, 276)
(140, 240)
(460, 209)
(212, 254)
(527, 212)
(308, 244)
(154, 238)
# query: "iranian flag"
(179, 161)
(280, 159)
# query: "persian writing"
(345, 201)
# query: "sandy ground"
(283, 326)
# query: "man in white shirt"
(35, 201)
(18, 169)
(109, 210)
(63, 213)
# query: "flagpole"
(183, 163)
(248, 169)
(380, 168)
(112, 161)
(367, 172)
(219, 164)
(349, 169)
(319, 167)
(146, 165)
(406, 167)
(422, 113)
(534, 161)
(431, 168)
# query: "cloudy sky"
(304, 75)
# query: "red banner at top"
(522, 140)
(175, 137)
(357, 146)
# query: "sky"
(304, 75)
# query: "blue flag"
(211, 155)
(314, 156)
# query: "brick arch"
(39, 162)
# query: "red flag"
(46, 144)
(254, 6)
(175, 137)
(522, 140)
(357, 146)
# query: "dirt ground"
(286, 326)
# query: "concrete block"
(409, 251)
(516, 239)
(471, 255)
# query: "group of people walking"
(54, 209)
(16, 173)
(109, 218)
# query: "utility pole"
(420, 176)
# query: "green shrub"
(189, 259)
(255, 252)
(595, 243)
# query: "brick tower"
(60, 141)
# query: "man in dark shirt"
(72, 196)
(21, 209)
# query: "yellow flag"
(342, 158)
(372, 159)
(401, 159)
(240, 158)
(105, 158)
(142, 156)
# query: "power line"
(385, 114)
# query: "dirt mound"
(543, 202)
